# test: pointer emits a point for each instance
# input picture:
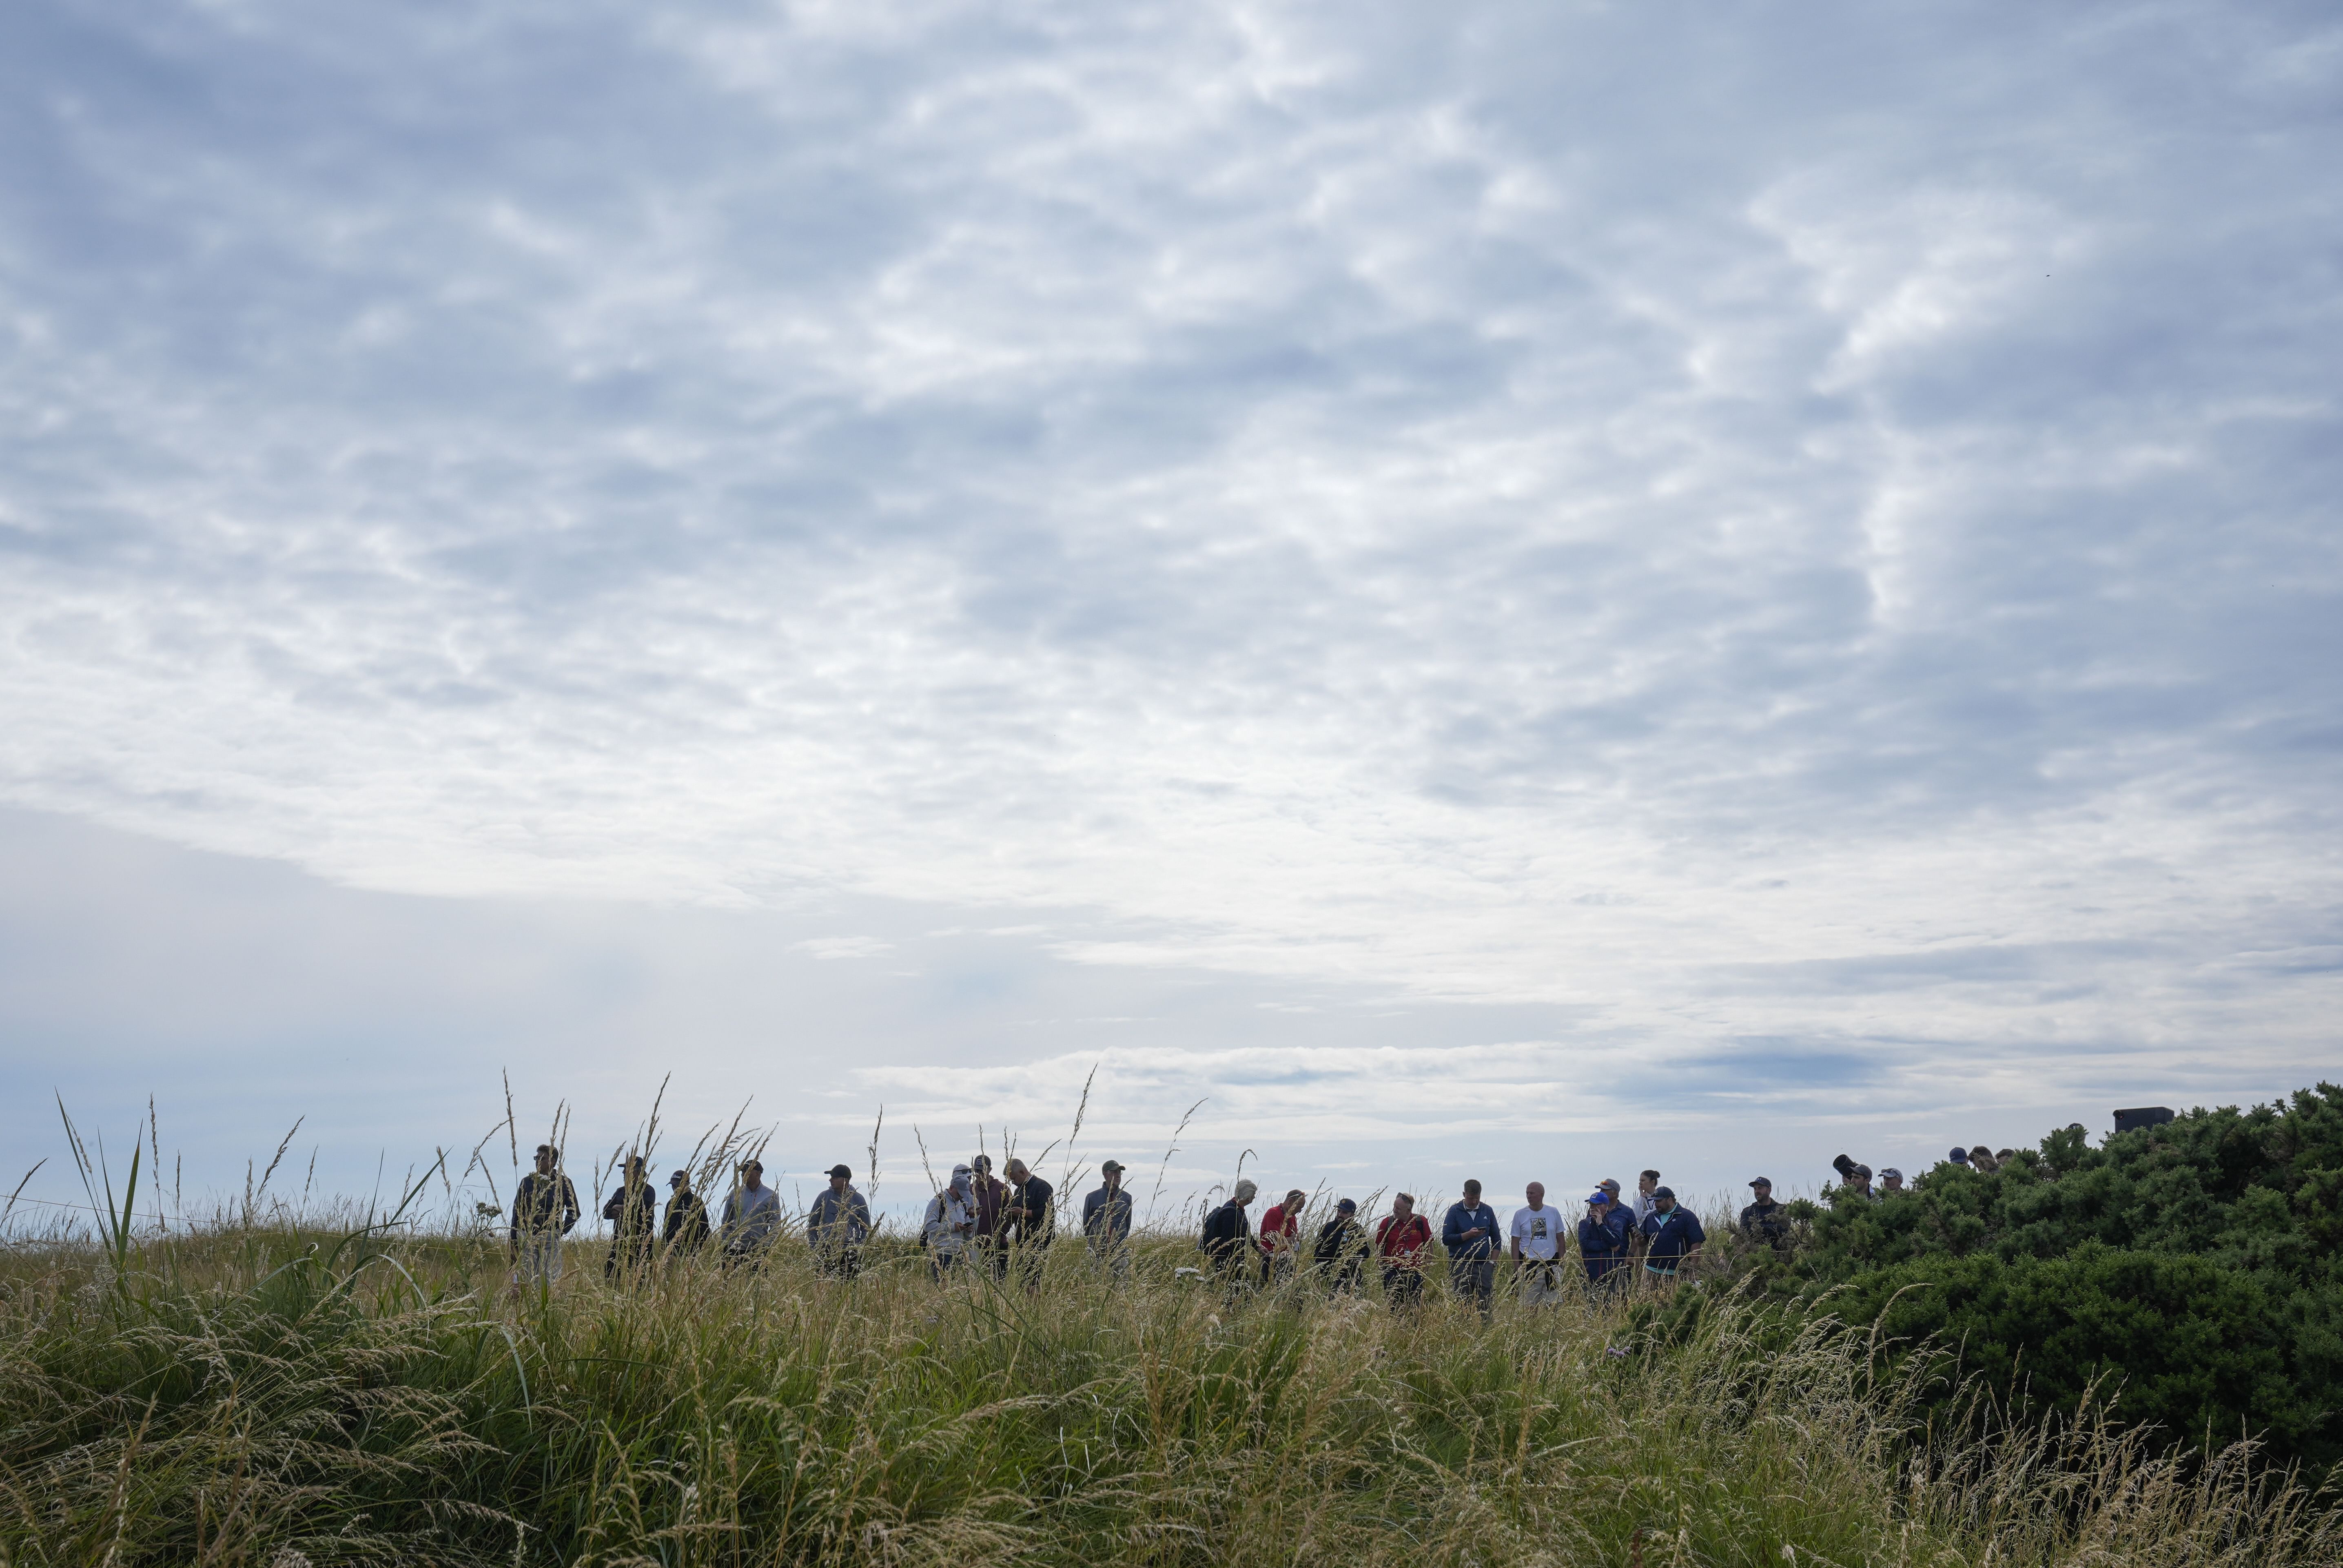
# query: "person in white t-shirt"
(1537, 1247)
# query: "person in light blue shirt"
(1470, 1235)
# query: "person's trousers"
(537, 1255)
(1476, 1279)
(1111, 1259)
(1403, 1287)
(944, 1263)
(1541, 1282)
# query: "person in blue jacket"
(1672, 1237)
(1603, 1240)
(1470, 1235)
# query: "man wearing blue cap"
(1671, 1238)
(1602, 1240)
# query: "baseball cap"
(1761, 1181)
(1113, 1165)
(1890, 1171)
(677, 1176)
(1346, 1207)
(1598, 1196)
(1861, 1171)
(1959, 1156)
(1664, 1192)
(846, 1170)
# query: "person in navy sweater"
(1672, 1237)
(1470, 1235)
(1602, 1240)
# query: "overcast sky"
(1518, 588)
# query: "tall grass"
(273, 1395)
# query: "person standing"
(1030, 1222)
(950, 1225)
(1671, 1238)
(1340, 1255)
(1763, 1220)
(1402, 1239)
(1280, 1239)
(991, 1199)
(1227, 1231)
(1602, 1240)
(752, 1217)
(838, 1224)
(633, 1209)
(1536, 1241)
(1470, 1233)
(544, 1210)
(686, 1226)
(1106, 1222)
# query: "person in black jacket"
(544, 1210)
(1602, 1242)
(1341, 1254)
(1027, 1222)
(687, 1216)
(1227, 1231)
(1106, 1222)
(1763, 1220)
(634, 1209)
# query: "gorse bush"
(2191, 1270)
(275, 1397)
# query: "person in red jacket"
(1280, 1236)
(1401, 1240)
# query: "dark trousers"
(1476, 1278)
(1403, 1287)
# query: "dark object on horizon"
(2141, 1116)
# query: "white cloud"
(1810, 527)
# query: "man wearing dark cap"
(686, 1226)
(1671, 1238)
(752, 1217)
(838, 1224)
(1341, 1254)
(1765, 1220)
(1469, 1233)
(633, 1210)
(1106, 1222)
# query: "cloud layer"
(1791, 534)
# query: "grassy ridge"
(267, 1396)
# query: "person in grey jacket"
(752, 1217)
(838, 1224)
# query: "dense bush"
(2191, 1270)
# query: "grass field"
(269, 1394)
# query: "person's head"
(1599, 1201)
(1979, 1152)
(1762, 1190)
(1017, 1170)
(1609, 1184)
(1403, 1205)
(1244, 1191)
(1535, 1193)
(752, 1172)
(1860, 1179)
(1112, 1173)
(634, 1168)
(1346, 1209)
(1663, 1198)
(982, 1165)
(680, 1181)
(548, 1157)
(1891, 1180)
(1959, 1156)
(840, 1177)
(963, 1180)
(1294, 1198)
(1471, 1191)
(1648, 1183)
